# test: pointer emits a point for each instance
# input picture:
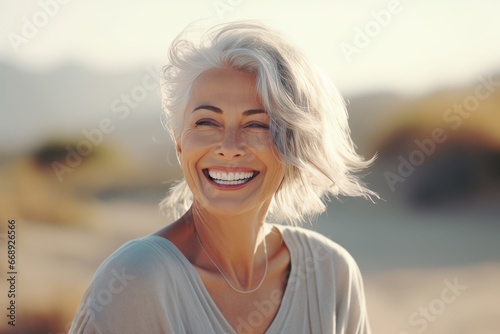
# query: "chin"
(230, 206)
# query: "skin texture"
(226, 129)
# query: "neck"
(235, 244)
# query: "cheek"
(264, 148)
(193, 141)
(259, 141)
(276, 161)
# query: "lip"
(228, 170)
(231, 169)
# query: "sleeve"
(351, 313)
(125, 295)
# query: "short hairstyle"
(308, 118)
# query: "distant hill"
(62, 101)
(437, 148)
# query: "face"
(225, 149)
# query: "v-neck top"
(149, 286)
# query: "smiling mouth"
(230, 178)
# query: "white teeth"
(230, 182)
(230, 178)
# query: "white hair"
(308, 118)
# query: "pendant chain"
(220, 271)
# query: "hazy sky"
(409, 45)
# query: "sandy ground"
(55, 265)
(462, 300)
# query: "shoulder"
(130, 289)
(316, 248)
(131, 252)
(138, 262)
(317, 243)
(324, 266)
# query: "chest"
(249, 313)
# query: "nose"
(231, 145)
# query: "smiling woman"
(261, 136)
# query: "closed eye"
(205, 122)
(257, 126)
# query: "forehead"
(225, 85)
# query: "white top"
(149, 286)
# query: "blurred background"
(84, 159)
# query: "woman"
(261, 136)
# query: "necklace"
(220, 271)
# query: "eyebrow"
(219, 111)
